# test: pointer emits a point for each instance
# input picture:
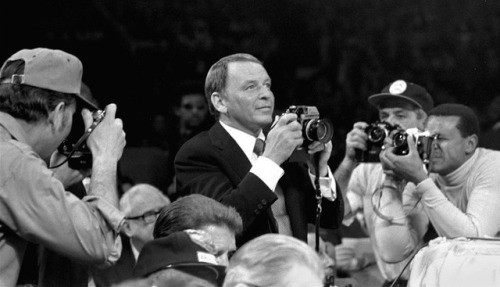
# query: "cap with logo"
(401, 89)
(49, 69)
(179, 251)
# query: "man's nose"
(392, 120)
(266, 93)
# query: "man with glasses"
(141, 205)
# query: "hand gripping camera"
(77, 152)
(377, 132)
(424, 143)
(313, 128)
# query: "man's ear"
(57, 117)
(127, 229)
(471, 144)
(219, 102)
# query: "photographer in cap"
(402, 104)
(230, 164)
(39, 94)
(459, 191)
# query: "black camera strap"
(318, 199)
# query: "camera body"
(313, 128)
(77, 151)
(377, 133)
(423, 139)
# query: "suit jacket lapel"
(230, 150)
(237, 160)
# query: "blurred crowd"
(329, 54)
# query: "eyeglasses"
(148, 217)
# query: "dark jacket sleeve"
(224, 176)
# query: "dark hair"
(194, 212)
(26, 102)
(187, 87)
(217, 76)
(467, 124)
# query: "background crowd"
(332, 54)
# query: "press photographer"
(460, 195)
(39, 94)
(401, 105)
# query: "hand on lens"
(283, 138)
(356, 139)
(409, 167)
(108, 138)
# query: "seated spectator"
(141, 205)
(275, 260)
(184, 258)
(199, 212)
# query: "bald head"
(142, 197)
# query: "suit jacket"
(212, 164)
(121, 271)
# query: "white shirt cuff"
(268, 171)
(327, 185)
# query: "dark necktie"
(258, 149)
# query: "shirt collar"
(245, 141)
(12, 127)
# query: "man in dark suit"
(271, 194)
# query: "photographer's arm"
(408, 167)
(37, 207)
(479, 218)
(356, 139)
(106, 142)
(400, 222)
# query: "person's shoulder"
(488, 157)
(198, 144)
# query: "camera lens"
(376, 134)
(319, 130)
(399, 139)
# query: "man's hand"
(325, 151)
(283, 138)
(409, 167)
(108, 138)
(356, 139)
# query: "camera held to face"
(423, 139)
(313, 128)
(377, 132)
(79, 155)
